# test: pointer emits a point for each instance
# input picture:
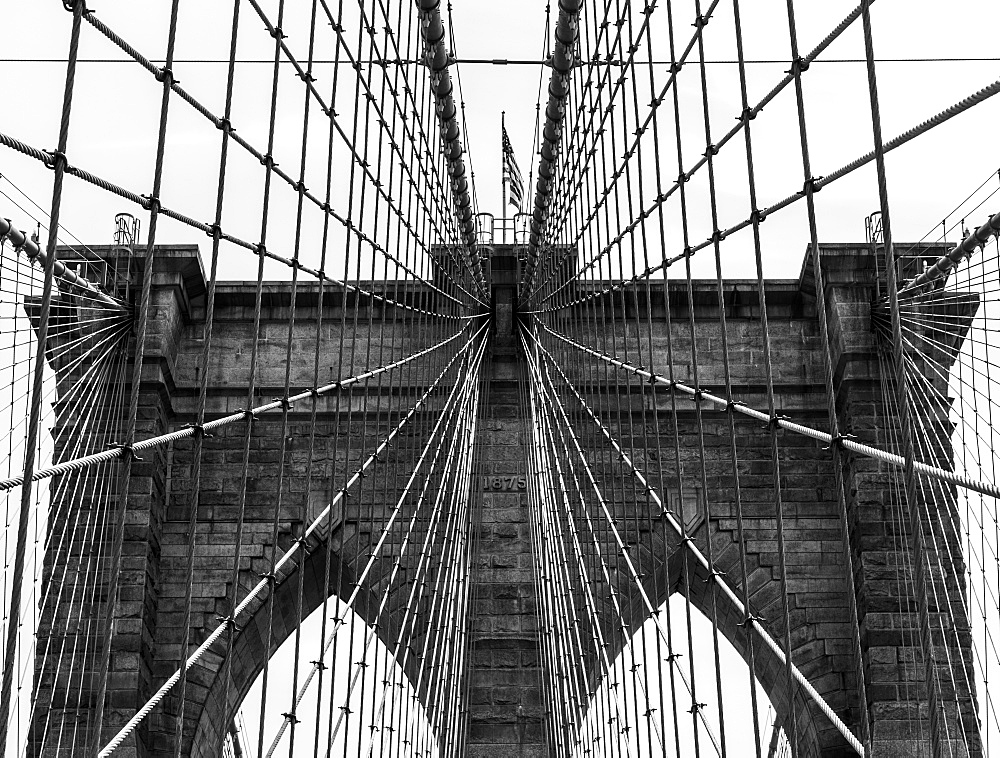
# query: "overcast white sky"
(114, 121)
(113, 131)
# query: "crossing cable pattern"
(590, 281)
(338, 520)
(400, 244)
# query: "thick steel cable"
(815, 185)
(614, 537)
(566, 588)
(398, 553)
(437, 59)
(745, 116)
(23, 243)
(924, 469)
(59, 166)
(265, 159)
(210, 426)
(286, 558)
(50, 159)
(563, 57)
(312, 93)
(548, 395)
(965, 249)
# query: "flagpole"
(503, 178)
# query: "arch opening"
(660, 699)
(360, 701)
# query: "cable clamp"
(269, 577)
(198, 430)
(277, 34)
(304, 544)
(696, 707)
(214, 231)
(127, 451)
(711, 149)
(248, 415)
(267, 160)
(758, 216)
(305, 76)
(57, 158)
(799, 65)
(285, 403)
(676, 66)
(699, 395)
(838, 440)
(682, 177)
(290, 716)
(712, 573)
(672, 657)
(810, 185)
(773, 422)
(733, 404)
(166, 76)
(748, 114)
(319, 665)
(225, 125)
(152, 203)
(751, 619)
(301, 187)
(230, 621)
(313, 391)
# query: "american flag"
(512, 173)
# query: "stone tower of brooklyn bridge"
(838, 548)
(499, 380)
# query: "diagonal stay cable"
(761, 214)
(444, 421)
(264, 583)
(190, 431)
(50, 160)
(714, 575)
(985, 488)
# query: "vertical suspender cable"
(60, 163)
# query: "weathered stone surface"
(506, 711)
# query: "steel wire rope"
(870, 451)
(300, 694)
(576, 167)
(617, 173)
(600, 642)
(306, 77)
(888, 369)
(468, 410)
(902, 388)
(59, 167)
(817, 184)
(69, 491)
(396, 510)
(714, 576)
(623, 623)
(617, 541)
(50, 159)
(285, 559)
(748, 114)
(328, 546)
(923, 440)
(94, 566)
(556, 598)
(226, 126)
